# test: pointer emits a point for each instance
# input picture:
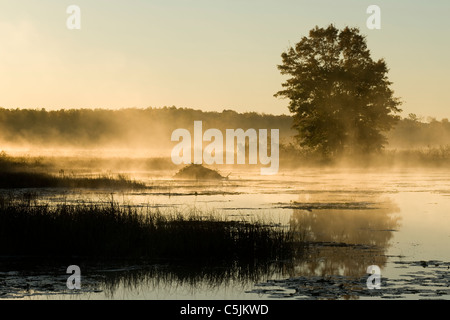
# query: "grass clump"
(198, 172)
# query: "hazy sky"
(205, 54)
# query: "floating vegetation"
(433, 283)
(326, 205)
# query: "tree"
(340, 98)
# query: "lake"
(396, 219)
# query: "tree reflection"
(334, 238)
(328, 238)
(345, 241)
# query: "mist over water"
(342, 192)
(350, 219)
(389, 210)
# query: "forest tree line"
(152, 127)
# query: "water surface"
(396, 219)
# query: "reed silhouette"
(111, 231)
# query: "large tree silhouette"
(339, 96)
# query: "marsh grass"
(111, 231)
(436, 156)
(292, 156)
(44, 180)
(9, 163)
(23, 172)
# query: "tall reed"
(113, 231)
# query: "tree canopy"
(339, 96)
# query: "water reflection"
(39, 278)
(338, 234)
(343, 238)
(345, 241)
(169, 279)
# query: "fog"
(142, 134)
(348, 214)
(125, 128)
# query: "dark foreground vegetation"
(22, 172)
(44, 180)
(111, 231)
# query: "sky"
(205, 54)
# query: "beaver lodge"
(198, 172)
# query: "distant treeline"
(151, 128)
(144, 128)
(411, 132)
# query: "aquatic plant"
(114, 231)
